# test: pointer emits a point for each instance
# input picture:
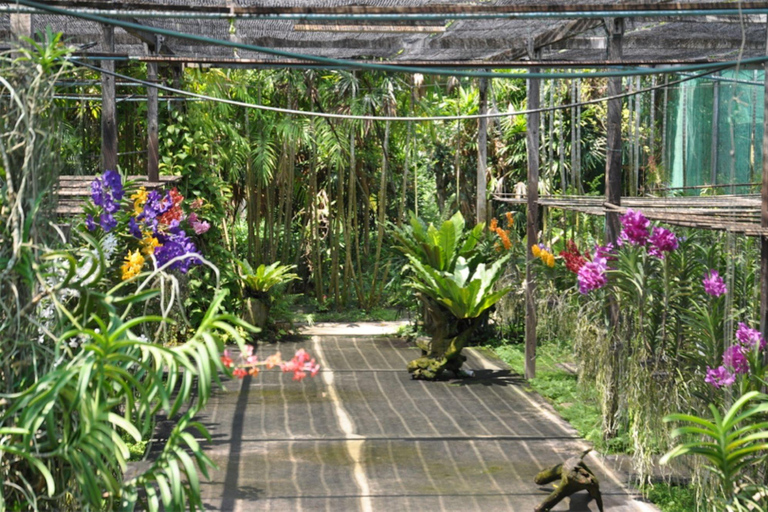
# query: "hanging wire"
(346, 64)
(380, 118)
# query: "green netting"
(716, 121)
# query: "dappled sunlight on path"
(364, 436)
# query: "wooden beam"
(613, 128)
(532, 140)
(368, 28)
(428, 8)
(482, 154)
(562, 32)
(108, 104)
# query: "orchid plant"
(152, 224)
(301, 365)
(654, 325)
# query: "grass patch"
(671, 498)
(576, 403)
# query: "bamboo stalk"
(381, 220)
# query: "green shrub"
(265, 277)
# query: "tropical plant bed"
(577, 403)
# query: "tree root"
(574, 476)
(432, 368)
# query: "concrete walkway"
(363, 436)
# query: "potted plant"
(257, 284)
(454, 280)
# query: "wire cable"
(346, 64)
(382, 118)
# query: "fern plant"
(258, 284)
(734, 444)
(466, 295)
(265, 277)
(451, 275)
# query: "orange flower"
(504, 239)
(494, 224)
(510, 218)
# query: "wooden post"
(638, 147)
(664, 126)
(574, 99)
(615, 27)
(153, 151)
(482, 154)
(613, 135)
(108, 103)
(652, 134)
(753, 132)
(532, 139)
(21, 26)
(578, 138)
(764, 213)
(715, 123)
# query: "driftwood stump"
(574, 476)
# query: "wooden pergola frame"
(611, 206)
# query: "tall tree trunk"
(269, 224)
(367, 215)
(482, 155)
(349, 230)
(257, 221)
(289, 186)
(381, 220)
(356, 231)
(457, 165)
(280, 201)
(337, 229)
(250, 195)
(408, 148)
(347, 225)
(316, 257)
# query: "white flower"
(109, 245)
(74, 343)
(46, 312)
